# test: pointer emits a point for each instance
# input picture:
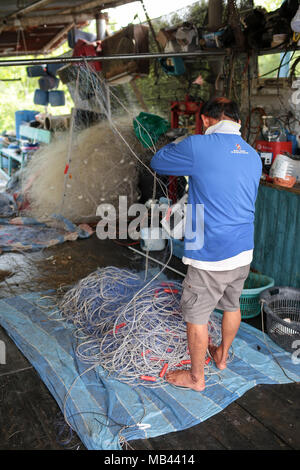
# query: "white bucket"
(153, 239)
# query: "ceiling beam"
(29, 8)
(115, 3)
(57, 37)
(94, 4)
(85, 7)
(34, 21)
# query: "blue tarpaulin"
(28, 234)
(101, 409)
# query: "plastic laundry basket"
(281, 306)
(249, 300)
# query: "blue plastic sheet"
(28, 234)
(101, 409)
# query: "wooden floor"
(265, 418)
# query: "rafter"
(34, 21)
(58, 37)
(29, 8)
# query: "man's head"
(219, 109)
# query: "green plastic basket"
(249, 300)
(149, 127)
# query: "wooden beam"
(92, 5)
(29, 8)
(115, 3)
(33, 21)
(85, 7)
(58, 37)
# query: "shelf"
(33, 133)
(10, 153)
(295, 189)
(278, 50)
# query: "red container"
(268, 151)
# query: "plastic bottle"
(174, 221)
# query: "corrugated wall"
(277, 235)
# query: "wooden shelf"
(295, 189)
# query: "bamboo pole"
(140, 56)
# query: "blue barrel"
(23, 116)
(53, 68)
(36, 71)
(57, 98)
(47, 83)
(41, 97)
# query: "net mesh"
(96, 161)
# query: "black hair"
(218, 108)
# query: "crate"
(281, 306)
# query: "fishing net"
(96, 161)
(132, 328)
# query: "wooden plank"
(234, 428)
(253, 430)
(227, 434)
(279, 416)
(30, 414)
(28, 405)
(59, 19)
(58, 37)
(194, 438)
(19, 431)
(288, 393)
(28, 8)
(139, 444)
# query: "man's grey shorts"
(204, 291)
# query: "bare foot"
(216, 354)
(184, 378)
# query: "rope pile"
(131, 328)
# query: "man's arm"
(174, 159)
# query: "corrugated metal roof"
(40, 26)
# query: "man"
(224, 173)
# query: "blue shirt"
(224, 173)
